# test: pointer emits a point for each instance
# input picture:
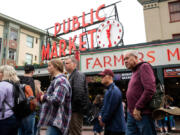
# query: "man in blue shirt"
(112, 115)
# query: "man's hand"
(99, 118)
(41, 97)
(137, 114)
(100, 121)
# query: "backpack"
(93, 114)
(30, 96)
(157, 100)
(22, 100)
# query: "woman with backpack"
(56, 103)
(8, 122)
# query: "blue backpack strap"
(3, 108)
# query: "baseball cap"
(107, 72)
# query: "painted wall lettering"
(156, 55)
(173, 54)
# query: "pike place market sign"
(109, 34)
(159, 54)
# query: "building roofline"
(149, 1)
(138, 45)
(25, 25)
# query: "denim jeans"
(146, 126)
(171, 121)
(51, 130)
(27, 125)
(9, 126)
(160, 123)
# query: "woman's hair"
(58, 64)
(37, 89)
(97, 99)
(9, 73)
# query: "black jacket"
(29, 81)
(80, 99)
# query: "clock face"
(109, 34)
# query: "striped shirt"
(56, 108)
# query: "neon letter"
(54, 50)
(84, 24)
(92, 37)
(64, 26)
(97, 13)
(45, 52)
(56, 31)
(62, 50)
(71, 44)
(92, 16)
(81, 43)
(75, 21)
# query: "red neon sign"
(66, 27)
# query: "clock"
(109, 33)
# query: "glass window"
(36, 40)
(12, 54)
(29, 41)
(29, 58)
(13, 34)
(35, 58)
(176, 36)
(174, 10)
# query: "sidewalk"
(89, 128)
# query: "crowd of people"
(62, 106)
(168, 122)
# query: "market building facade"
(162, 50)
(162, 24)
(164, 56)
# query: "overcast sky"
(44, 13)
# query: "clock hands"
(108, 35)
